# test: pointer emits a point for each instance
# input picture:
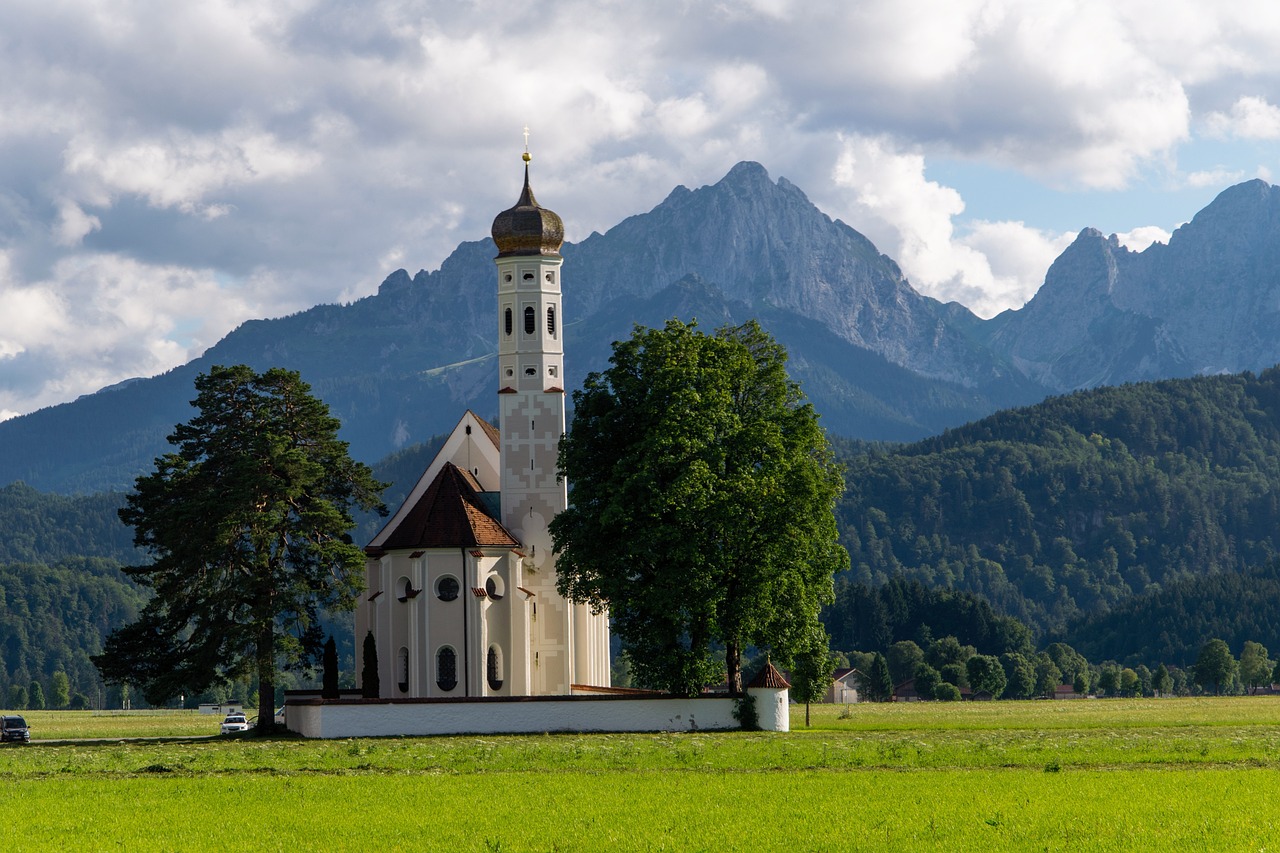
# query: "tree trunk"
(806, 715)
(266, 678)
(733, 664)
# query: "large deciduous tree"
(246, 522)
(1255, 666)
(986, 673)
(702, 504)
(1215, 667)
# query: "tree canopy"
(247, 525)
(702, 504)
(1215, 667)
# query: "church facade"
(461, 596)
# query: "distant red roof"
(450, 514)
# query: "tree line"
(946, 670)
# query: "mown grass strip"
(808, 810)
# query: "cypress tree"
(35, 696)
(370, 688)
(330, 684)
(879, 686)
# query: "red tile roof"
(450, 514)
(769, 677)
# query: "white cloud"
(1018, 257)
(1143, 236)
(1250, 117)
(102, 318)
(179, 171)
(73, 224)
(1213, 177)
(996, 265)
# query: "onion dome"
(527, 229)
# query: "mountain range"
(879, 360)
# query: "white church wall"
(444, 618)
(319, 719)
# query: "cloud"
(180, 171)
(73, 224)
(991, 267)
(103, 318)
(1144, 236)
(1213, 177)
(1250, 117)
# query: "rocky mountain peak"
(1207, 302)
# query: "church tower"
(568, 644)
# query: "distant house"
(845, 688)
(906, 692)
(1066, 691)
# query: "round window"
(447, 588)
(494, 587)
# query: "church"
(461, 582)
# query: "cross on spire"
(527, 158)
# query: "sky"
(170, 170)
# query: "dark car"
(14, 730)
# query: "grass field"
(84, 725)
(1104, 775)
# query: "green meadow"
(1093, 775)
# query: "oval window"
(528, 320)
(551, 321)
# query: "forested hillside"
(874, 618)
(45, 528)
(1064, 510)
(1172, 624)
(52, 617)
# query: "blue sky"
(168, 171)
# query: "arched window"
(494, 668)
(446, 669)
(402, 670)
(405, 590)
(447, 588)
(529, 320)
(551, 320)
(508, 322)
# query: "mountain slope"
(879, 360)
(1065, 509)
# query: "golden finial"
(526, 156)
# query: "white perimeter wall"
(339, 719)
